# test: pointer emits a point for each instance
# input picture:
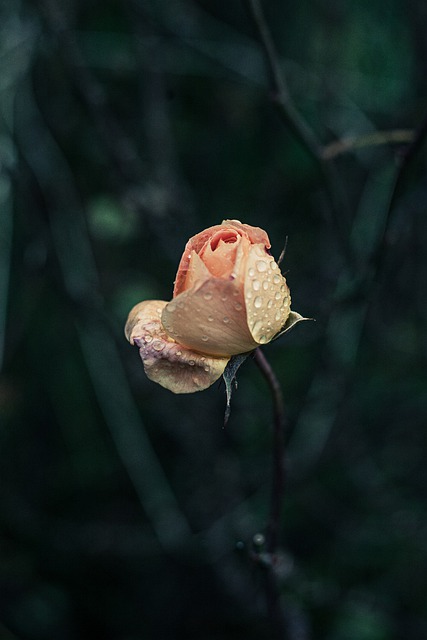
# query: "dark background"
(128, 513)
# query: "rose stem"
(277, 491)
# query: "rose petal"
(166, 362)
(210, 319)
(197, 272)
(255, 234)
(267, 297)
(197, 242)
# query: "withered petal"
(166, 362)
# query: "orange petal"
(166, 362)
(197, 242)
(255, 234)
(210, 319)
(197, 271)
(267, 297)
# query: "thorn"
(282, 255)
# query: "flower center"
(225, 236)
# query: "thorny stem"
(277, 492)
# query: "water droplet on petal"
(223, 298)
(261, 265)
(277, 316)
(191, 363)
(249, 295)
(256, 285)
(263, 339)
(158, 345)
(278, 296)
(251, 272)
(207, 296)
(258, 302)
(257, 327)
(226, 319)
(238, 306)
(206, 368)
(179, 353)
(265, 285)
(148, 338)
(269, 304)
(210, 318)
(205, 338)
(273, 265)
(286, 302)
(276, 279)
(283, 287)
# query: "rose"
(229, 298)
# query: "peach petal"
(267, 297)
(219, 256)
(166, 362)
(210, 319)
(197, 242)
(255, 234)
(197, 271)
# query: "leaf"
(292, 320)
(229, 376)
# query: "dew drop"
(283, 288)
(226, 319)
(257, 327)
(256, 285)
(206, 369)
(269, 304)
(278, 296)
(205, 338)
(261, 265)
(258, 302)
(158, 345)
(196, 381)
(203, 358)
(273, 265)
(210, 318)
(277, 316)
(249, 295)
(265, 285)
(263, 339)
(191, 363)
(238, 306)
(179, 353)
(276, 279)
(207, 296)
(224, 298)
(251, 272)
(148, 338)
(286, 302)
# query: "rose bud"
(229, 298)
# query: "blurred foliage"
(127, 512)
